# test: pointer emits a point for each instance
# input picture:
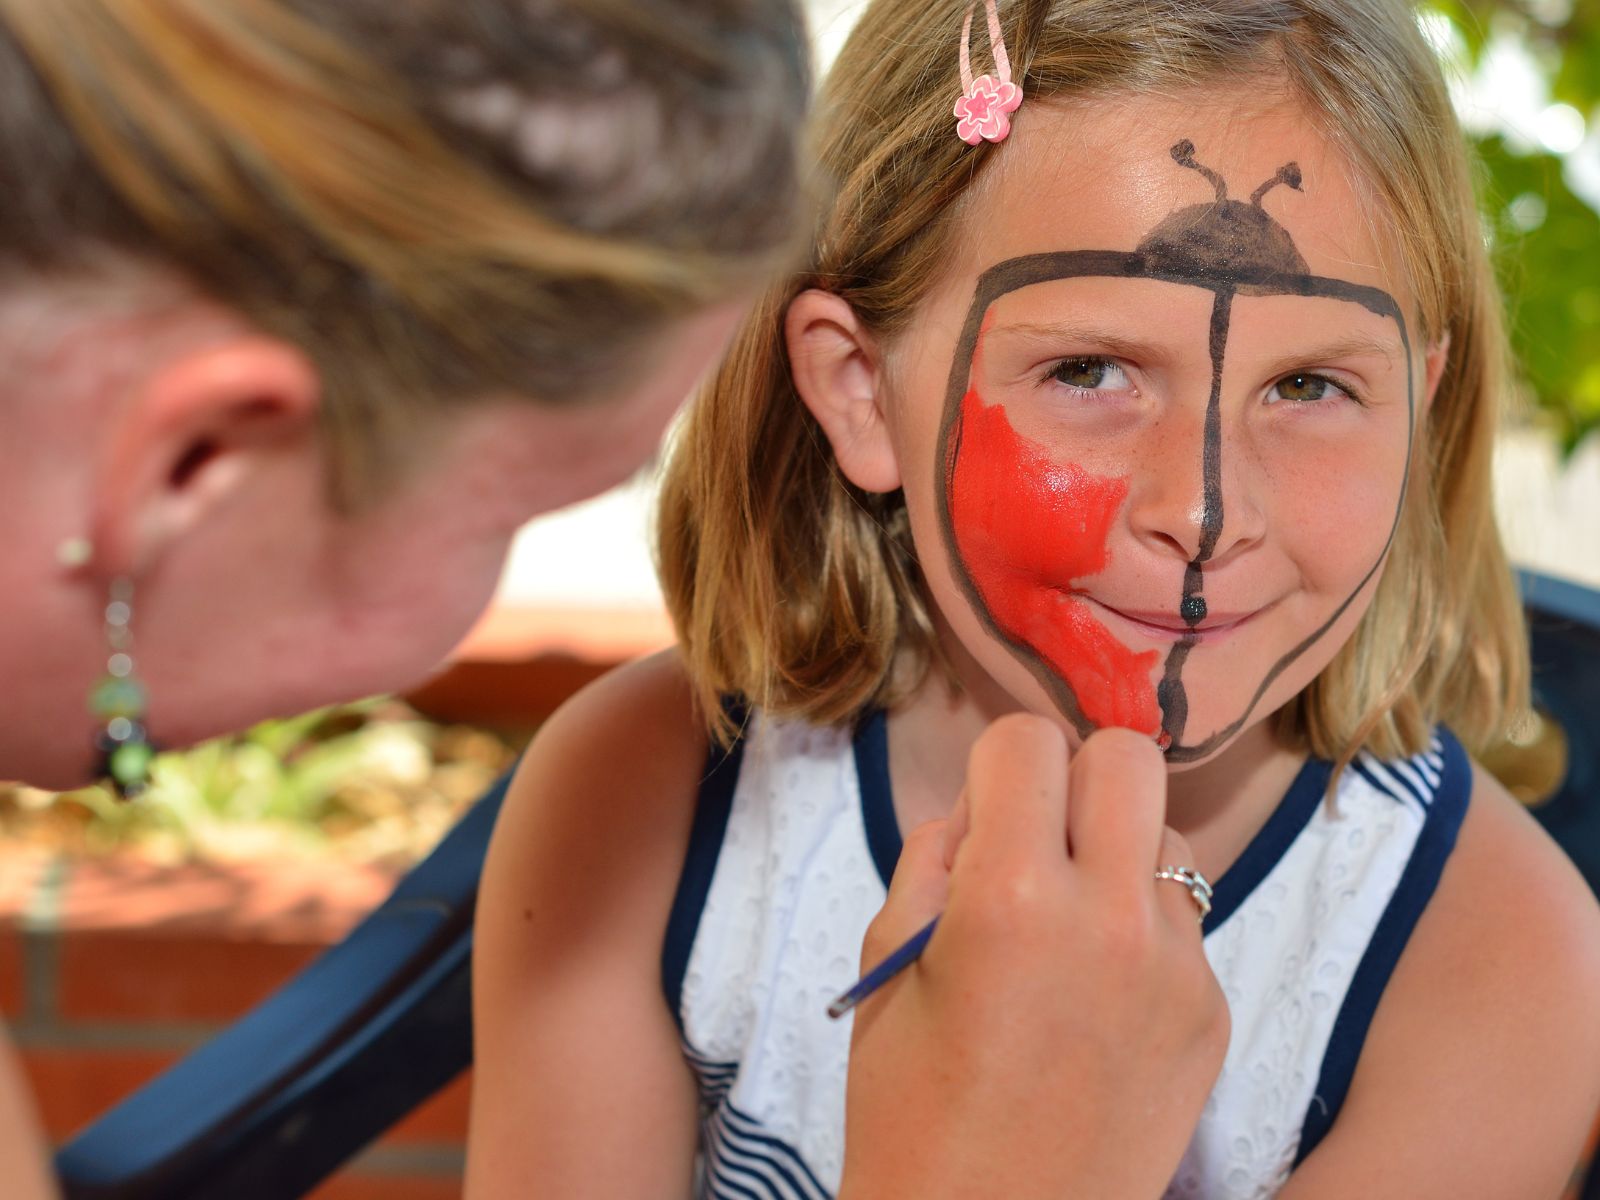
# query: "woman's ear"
(199, 428)
(838, 372)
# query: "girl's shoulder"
(636, 726)
(601, 804)
(1482, 1066)
(568, 1014)
(1513, 924)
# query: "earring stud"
(74, 551)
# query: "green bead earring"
(120, 700)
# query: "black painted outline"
(1175, 252)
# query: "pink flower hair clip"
(983, 112)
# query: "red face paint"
(1026, 527)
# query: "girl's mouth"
(1168, 626)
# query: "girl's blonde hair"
(438, 200)
(793, 588)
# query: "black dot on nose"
(1193, 609)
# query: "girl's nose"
(1195, 496)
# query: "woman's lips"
(1168, 626)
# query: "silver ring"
(1199, 887)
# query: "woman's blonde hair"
(437, 200)
(793, 588)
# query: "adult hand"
(1062, 1030)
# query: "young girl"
(1153, 389)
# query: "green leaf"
(1546, 242)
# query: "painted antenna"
(1183, 155)
(1289, 173)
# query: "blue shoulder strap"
(1445, 810)
(712, 809)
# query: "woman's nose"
(1195, 491)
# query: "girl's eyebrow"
(1093, 338)
(1102, 340)
(1356, 345)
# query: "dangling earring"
(120, 700)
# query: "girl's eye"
(1090, 374)
(1302, 387)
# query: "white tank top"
(793, 842)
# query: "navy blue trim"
(715, 1079)
(738, 1132)
(723, 1188)
(1260, 856)
(1411, 781)
(1399, 789)
(1411, 896)
(1271, 843)
(877, 794)
(711, 812)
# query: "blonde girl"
(1163, 404)
(306, 305)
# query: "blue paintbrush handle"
(884, 971)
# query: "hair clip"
(982, 113)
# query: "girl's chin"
(1215, 736)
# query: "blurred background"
(579, 592)
(129, 932)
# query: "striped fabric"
(740, 1158)
(1413, 781)
(715, 1077)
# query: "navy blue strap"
(1259, 857)
(877, 794)
(711, 812)
(1271, 842)
(1411, 895)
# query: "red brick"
(21, 868)
(13, 980)
(441, 1119)
(73, 1087)
(505, 695)
(355, 1185)
(183, 976)
(273, 900)
(202, 942)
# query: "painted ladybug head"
(1225, 239)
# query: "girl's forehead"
(1101, 175)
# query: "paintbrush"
(891, 966)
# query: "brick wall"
(112, 970)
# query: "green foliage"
(371, 781)
(1564, 35)
(1546, 239)
(1547, 245)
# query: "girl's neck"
(1218, 805)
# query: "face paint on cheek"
(1026, 528)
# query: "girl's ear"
(838, 372)
(200, 429)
